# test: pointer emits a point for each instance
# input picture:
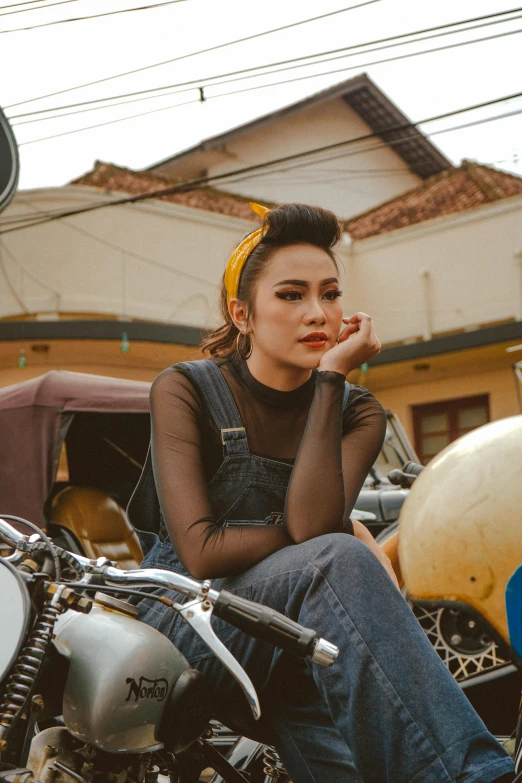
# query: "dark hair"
(288, 224)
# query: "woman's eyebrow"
(304, 283)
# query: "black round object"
(9, 162)
(187, 712)
(463, 632)
(15, 615)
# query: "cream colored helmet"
(461, 526)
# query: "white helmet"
(461, 526)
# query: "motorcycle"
(78, 704)
(91, 694)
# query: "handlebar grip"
(404, 478)
(266, 624)
(413, 468)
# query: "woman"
(257, 457)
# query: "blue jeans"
(387, 710)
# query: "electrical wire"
(108, 122)
(94, 16)
(28, 2)
(194, 54)
(274, 84)
(212, 81)
(229, 177)
(226, 177)
(41, 8)
(226, 94)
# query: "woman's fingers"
(357, 344)
(347, 331)
(356, 318)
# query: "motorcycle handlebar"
(266, 624)
(255, 619)
(405, 477)
(10, 535)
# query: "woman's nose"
(315, 313)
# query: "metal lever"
(197, 614)
(10, 535)
(155, 576)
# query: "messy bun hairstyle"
(288, 224)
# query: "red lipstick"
(314, 340)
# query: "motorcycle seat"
(98, 523)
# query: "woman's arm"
(205, 550)
(330, 468)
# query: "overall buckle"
(230, 429)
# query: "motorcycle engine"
(58, 757)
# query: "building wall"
(344, 180)
(152, 261)
(498, 384)
(449, 274)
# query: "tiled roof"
(118, 179)
(455, 190)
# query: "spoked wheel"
(461, 640)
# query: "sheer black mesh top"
(331, 451)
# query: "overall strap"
(213, 387)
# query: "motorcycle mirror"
(9, 162)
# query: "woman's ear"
(239, 314)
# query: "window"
(438, 424)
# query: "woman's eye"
(290, 296)
(333, 294)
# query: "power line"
(194, 54)
(231, 179)
(275, 84)
(204, 181)
(28, 2)
(108, 122)
(230, 81)
(389, 41)
(94, 16)
(41, 8)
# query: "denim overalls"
(387, 711)
(246, 490)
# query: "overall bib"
(387, 711)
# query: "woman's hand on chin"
(357, 344)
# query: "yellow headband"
(237, 260)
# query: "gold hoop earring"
(241, 348)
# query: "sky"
(37, 62)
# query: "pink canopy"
(35, 417)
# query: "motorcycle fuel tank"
(121, 672)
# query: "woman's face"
(297, 307)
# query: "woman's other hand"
(363, 534)
(357, 344)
